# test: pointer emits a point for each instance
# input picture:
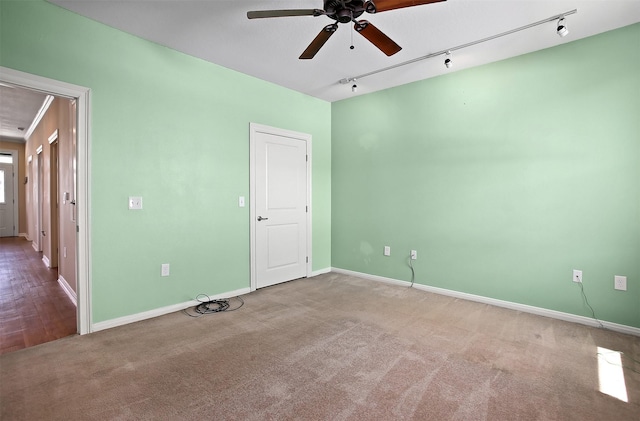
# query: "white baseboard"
(499, 303)
(35, 246)
(46, 261)
(108, 324)
(68, 290)
(320, 272)
(23, 235)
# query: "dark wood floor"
(34, 309)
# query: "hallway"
(34, 309)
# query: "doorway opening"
(76, 198)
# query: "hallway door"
(7, 201)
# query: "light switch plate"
(241, 201)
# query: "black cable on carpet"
(210, 306)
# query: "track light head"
(447, 61)
(562, 30)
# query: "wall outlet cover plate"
(620, 283)
(135, 202)
(577, 275)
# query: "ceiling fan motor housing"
(346, 10)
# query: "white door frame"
(83, 193)
(253, 130)
(16, 193)
(37, 196)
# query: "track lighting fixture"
(447, 61)
(562, 30)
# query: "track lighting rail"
(459, 47)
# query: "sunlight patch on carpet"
(610, 374)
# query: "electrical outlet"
(620, 283)
(165, 269)
(387, 251)
(577, 275)
(135, 202)
(414, 254)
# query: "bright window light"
(2, 187)
(6, 159)
(610, 374)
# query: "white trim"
(307, 138)
(499, 303)
(41, 112)
(53, 137)
(83, 202)
(29, 159)
(83, 193)
(320, 271)
(68, 290)
(24, 235)
(252, 208)
(46, 261)
(39, 150)
(120, 321)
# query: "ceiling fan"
(345, 11)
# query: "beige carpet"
(331, 347)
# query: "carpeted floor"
(331, 347)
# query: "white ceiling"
(18, 108)
(219, 31)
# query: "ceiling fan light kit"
(346, 11)
(448, 62)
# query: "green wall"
(175, 130)
(503, 177)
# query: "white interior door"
(7, 201)
(279, 206)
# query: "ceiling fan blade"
(384, 5)
(319, 41)
(258, 14)
(377, 37)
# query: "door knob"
(262, 219)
